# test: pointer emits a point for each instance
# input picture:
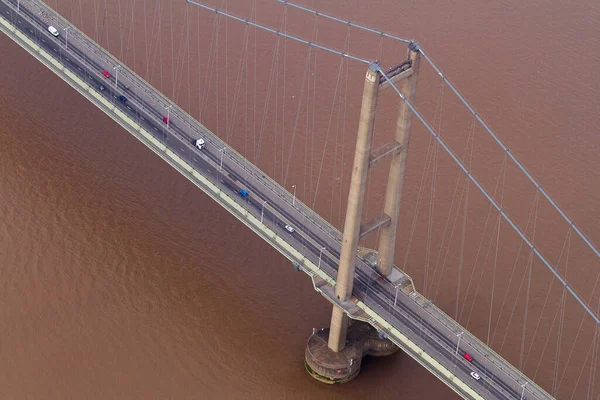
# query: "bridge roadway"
(417, 319)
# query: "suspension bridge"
(376, 306)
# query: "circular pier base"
(332, 367)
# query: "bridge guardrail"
(274, 186)
(238, 159)
(232, 202)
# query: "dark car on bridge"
(123, 98)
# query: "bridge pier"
(328, 366)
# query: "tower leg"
(356, 195)
(393, 195)
(339, 323)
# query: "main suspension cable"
(279, 33)
(487, 195)
(415, 112)
(467, 105)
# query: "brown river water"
(119, 279)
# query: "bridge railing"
(230, 152)
(126, 74)
(193, 161)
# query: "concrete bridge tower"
(339, 361)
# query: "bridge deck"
(393, 307)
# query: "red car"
(468, 357)
(166, 120)
(106, 73)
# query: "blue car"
(123, 98)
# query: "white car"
(199, 143)
(290, 228)
(53, 31)
(475, 376)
